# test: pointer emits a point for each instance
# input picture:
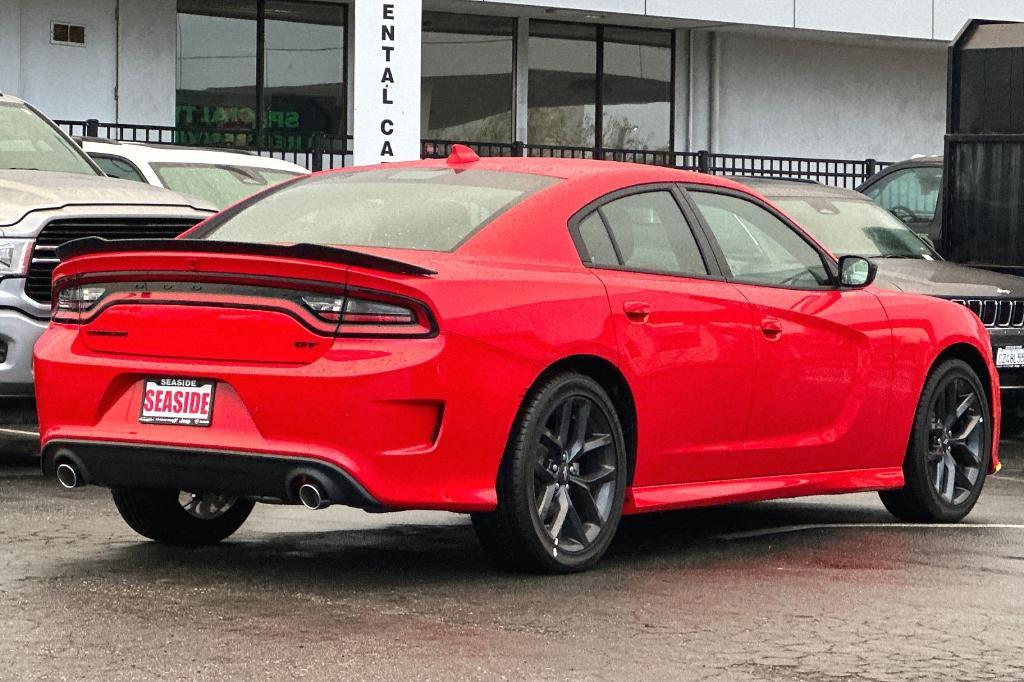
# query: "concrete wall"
(10, 46)
(148, 39)
(807, 98)
(63, 81)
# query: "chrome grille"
(994, 312)
(62, 230)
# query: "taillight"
(364, 312)
(344, 312)
(70, 301)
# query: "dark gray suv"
(849, 223)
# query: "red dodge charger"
(544, 344)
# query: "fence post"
(703, 161)
(518, 148)
(92, 128)
(317, 143)
(870, 168)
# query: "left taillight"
(70, 301)
(362, 312)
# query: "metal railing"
(319, 151)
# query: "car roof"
(778, 188)
(573, 170)
(11, 99)
(140, 152)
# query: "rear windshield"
(220, 184)
(403, 208)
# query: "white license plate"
(1011, 356)
(177, 401)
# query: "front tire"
(562, 480)
(173, 517)
(949, 451)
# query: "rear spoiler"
(327, 254)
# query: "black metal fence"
(318, 151)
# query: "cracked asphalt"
(813, 589)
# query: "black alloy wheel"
(949, 451)
(562, 481)
(175, 517)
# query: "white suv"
(221, 177)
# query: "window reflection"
(563, 84)
(467, 77)
(216, 70)
(304, 88)
(223, 99)
(637, 89)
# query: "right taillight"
(363, 312)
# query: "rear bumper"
(229, 473)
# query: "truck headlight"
(14, 256)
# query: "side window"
(117, 168)
(597, 242)
(911, 195)
(651, 234)
(760, 248)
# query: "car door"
(824, 354)
(685, 335)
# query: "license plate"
(1010, 356)
(177, 401)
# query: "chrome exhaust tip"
(312, 497)
(68, 476)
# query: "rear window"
(220, 184)
(426, 209)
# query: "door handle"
(637, 311)
(771, 328)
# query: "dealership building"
(798, 78)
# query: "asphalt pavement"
(824, 588)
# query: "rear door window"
(650, 234)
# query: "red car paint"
(741, 392)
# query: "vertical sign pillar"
(386, 87)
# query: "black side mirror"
(856, 271)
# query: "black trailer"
(983, 212)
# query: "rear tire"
(949, 451)
(562, 480)
(162, 515)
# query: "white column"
(386, 80)
(681, 131)
(522, 79)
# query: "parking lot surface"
(820, 588)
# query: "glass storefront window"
(637, 89)
(304, 86)
(229, 93)
(216, 71)
(630, 68)
(563, 84)
(468, 64)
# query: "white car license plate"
(177, 401)
(1011, 356)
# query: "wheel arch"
(973, 357)
(611, 379)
